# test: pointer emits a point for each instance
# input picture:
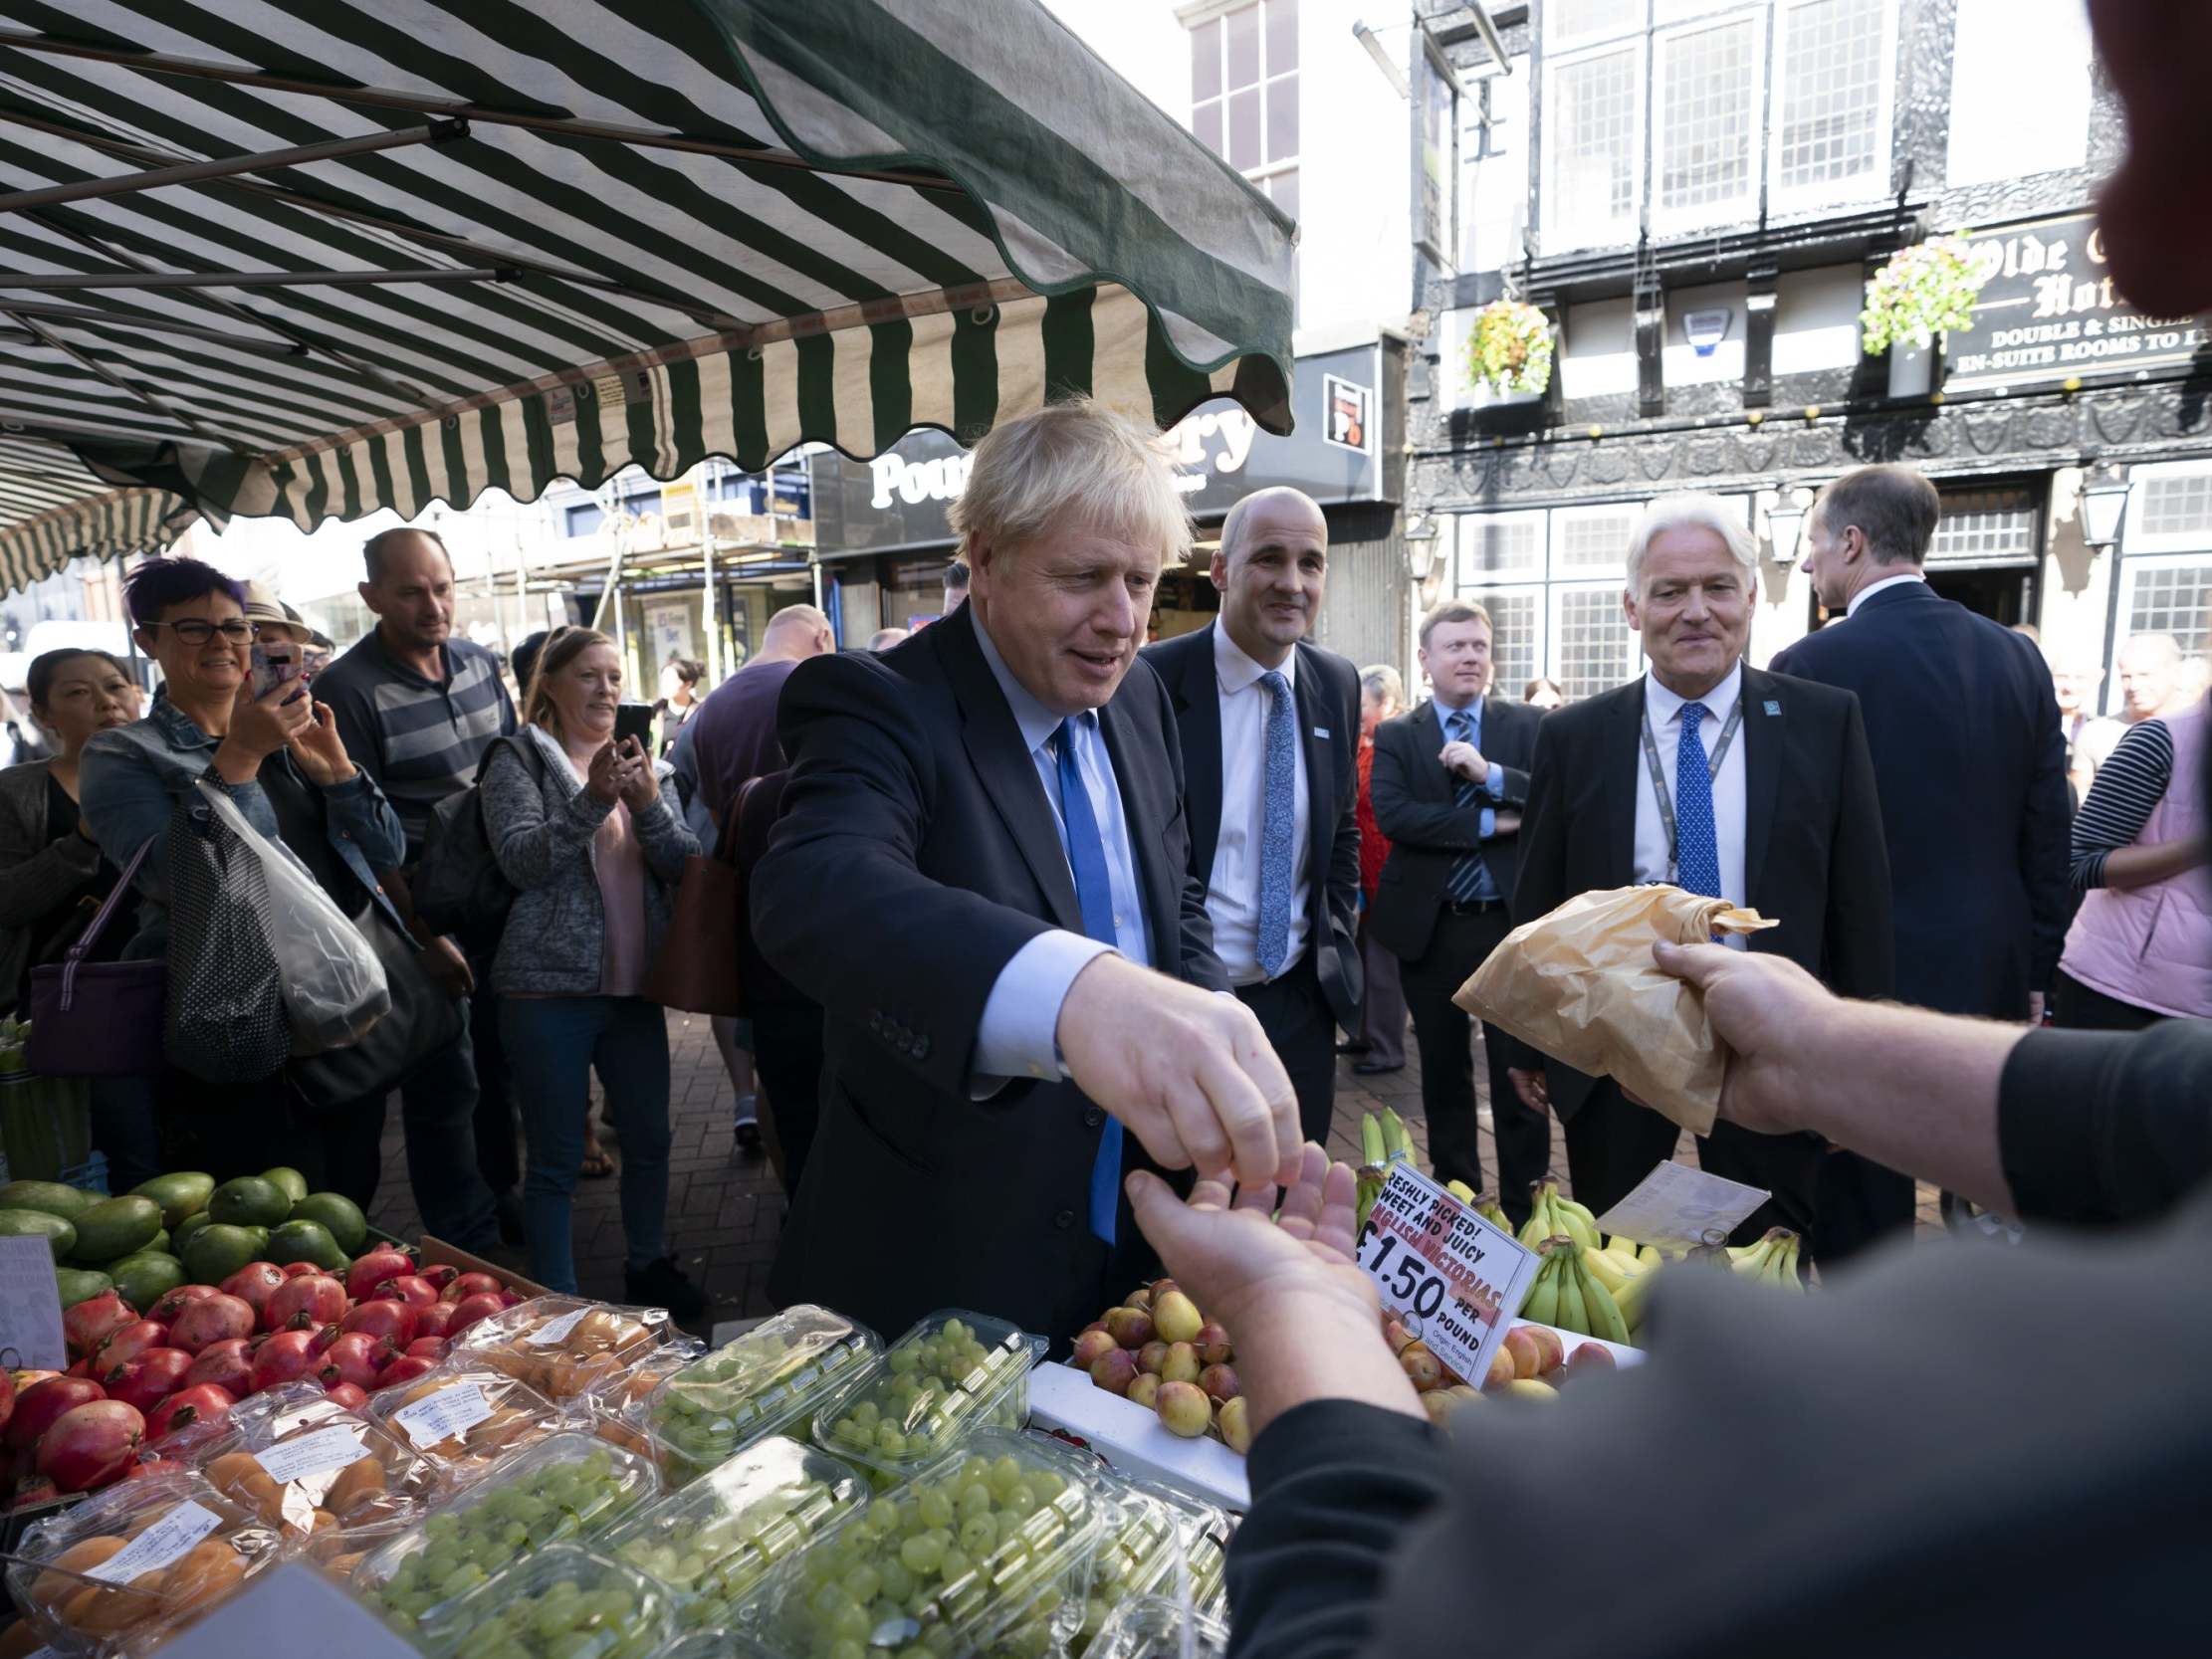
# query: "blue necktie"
(1086, 859)
(1469, 875)
(1278, 823)
(1697, 851)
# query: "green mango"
(184, 1231)
(340, 1214)
(115, 1227)
(287, 1181)
(38, 1224)
(147, 1276)
(180, 1195)
(217, 1251)
(308, 1241)
(68, 1202)
(250, 1201)
(81, 1284)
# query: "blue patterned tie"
(1696, 852)
(1094, 892)
(1277, 826)
(1467, 881)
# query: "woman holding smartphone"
(578, 824)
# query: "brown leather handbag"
(697, 968)
(98, 1019)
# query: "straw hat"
(271, 616)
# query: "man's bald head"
(1271, 566)
(2149, 674)
(794, 632)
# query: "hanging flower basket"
(1925, 291)
(1510, 348)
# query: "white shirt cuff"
(1018, 1034)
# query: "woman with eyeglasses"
(278, 748)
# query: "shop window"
(1500, 546)
(1244, 94)
(1593, 647)
(581, 519)
(2172, 508)
(1568, 21)
(1707, 91)
(1516, 635)
(1592, 540)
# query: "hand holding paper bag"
(1580, 984)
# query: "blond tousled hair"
(1073, 463)
(1455, 610)
(563, 646)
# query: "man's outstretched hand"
(1284, 1284)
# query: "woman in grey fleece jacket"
(580, 826)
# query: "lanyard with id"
(1666, 796)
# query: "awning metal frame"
(200, 172)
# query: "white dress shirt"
(1872, 588)
(1664, 710)
(1232, 892)
(1016, 1035)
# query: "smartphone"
(634, 719)
(275, 663)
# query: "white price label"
(314, 1454)
(553, 1330)
(159, 1544)
(451, 1412)
(1453, 1279)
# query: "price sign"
(159, 1544)
(1675, 1203)
(1453, 1279)
(338, 1447)
(450, 1412)
(553, 1330)
(30, 1304)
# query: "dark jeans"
(1296, 1015)
(787, 1070)
(1382, 1009)
(498, 1154)
(1444, 1035)
(437, 1111)
(554, 1044)
(124, 1131)
(2079, 1007)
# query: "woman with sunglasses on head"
(278, 748)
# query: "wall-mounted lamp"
(1785, 530)
(2103, 506)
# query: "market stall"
(389, 255)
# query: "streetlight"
(1785, 524)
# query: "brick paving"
(726, 1210)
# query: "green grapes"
(568, 1605)
(940, 1381)
(719, 1404)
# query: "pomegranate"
(90, 1320)
(83, 1367)
(91, 1444)
(349, 1396)
(25, 1379)
(440, 1276)
(367, 1272)
(215, 1318)
(254, 1284)
(144, 1382)
(7, 1399)
(227, 1364)
(470, 1309)
(203, 1402)
(33, 1489)
(125, 1342)
(356, 1357)
(284, 1357)
(411, 1288)
(41, 1404)
(315, 1298)
(508, 1299)
(471, 1284)
(405, 1369)
(166, 1309)
(300, 1270)
(434, 1322)
(427, 1348)
(382, 1317)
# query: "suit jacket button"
(921, 1048)
(1064, 1220)
(1094, 1117)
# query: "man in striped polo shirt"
(417, 708)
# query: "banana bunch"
(1567, 1296)
(1625, 1268)
(1550, 1215)
(1383, 1141)
(1772, 1261)
(1482, 1204)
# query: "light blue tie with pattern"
(1697, 851)
(1467, 879)
(1278, 825)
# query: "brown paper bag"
(1580, 984)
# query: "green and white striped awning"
(53, 508)
(313, 258)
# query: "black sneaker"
(511, 1220)
(662, 1284)
(749, 1138)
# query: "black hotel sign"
(2047, 310)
